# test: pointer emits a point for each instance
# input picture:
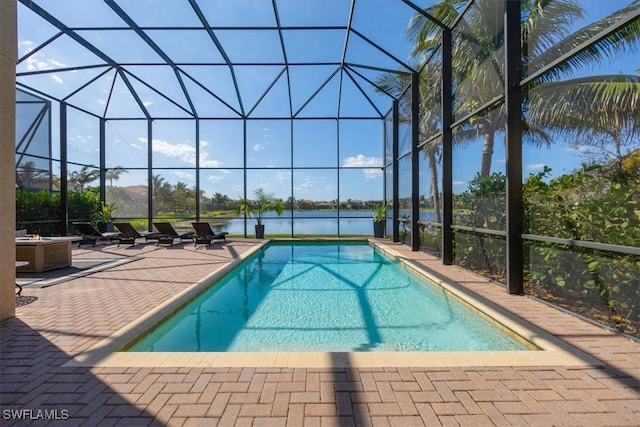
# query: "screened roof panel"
(362, 52)
(122, 46)
(307, 80)
(32, 30)
(175, 13)
(381, 101)
(86, 13)
(121, 103)
(251, 54)
(253, 82)
(367, 74)
(206, 104)
(163, 79)
(323, 103)
(158, 103)
(353, 103)
(313, 46)
(384, 23)
(312, 13)
(239, 13)
(215, 79)
(22, 96)
(252, 46)
(93, 97)
(275, 102)
(187, 46)
(61, 53)
(60, 84)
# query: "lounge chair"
(206, 235)
(128, 234)
(90, 235)
(167, 234)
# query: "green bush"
(591, 204)
(39, 212)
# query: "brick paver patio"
(69, 318)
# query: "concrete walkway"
(69, 318)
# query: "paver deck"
(70, 318)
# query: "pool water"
(305, 296)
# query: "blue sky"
(315, 141)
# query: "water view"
(350, 222)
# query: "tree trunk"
(487, 153)
(433, 165)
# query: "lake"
(350, 222)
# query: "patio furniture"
(206, 235)
(167, 234)
(90, 235)
(128, 234)
(43, 253)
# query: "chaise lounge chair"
(206, 235)
(90, 235)
(128, 234)
(167, 234)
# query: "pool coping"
(552, 351)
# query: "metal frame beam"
(447, 148)
(415, 161)
(64, 171)
(395, 215)
(513, 149)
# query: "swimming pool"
(324, 296)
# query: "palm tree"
(612, 128)
(183, 197)
(29, 176)
(599, 111)
(430, 120)
(83, 177)
(114, 174)
(157, 183)
(478, 56)
(220, 200)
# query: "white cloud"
(184, 174)
(184, 152)
(534, 166)
(458, 183)
(181, 151)
(258, 147)
(147, 103)
(362, 161)
(283, 176)
(205, 162)
(218, 176)
(26, 46)
(57, 79)
(306, 184)
(37, 62)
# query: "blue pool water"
(324, 297)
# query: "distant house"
(357, 204)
